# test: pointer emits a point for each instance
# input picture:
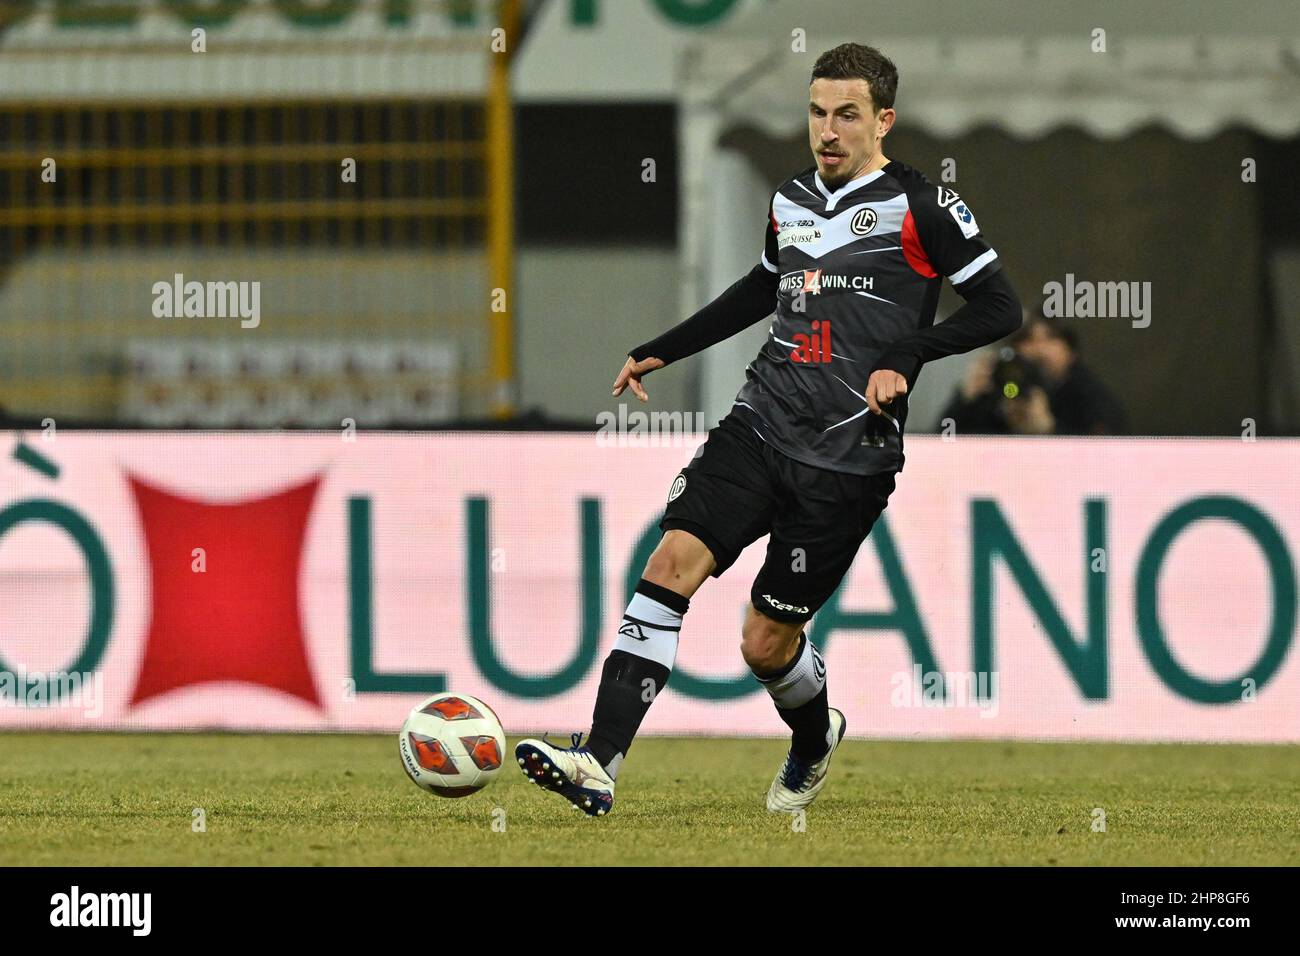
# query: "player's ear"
(885, 118)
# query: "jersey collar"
(833, 198)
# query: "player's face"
(844, 129)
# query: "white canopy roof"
(1190, 65)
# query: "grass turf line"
(126, 799)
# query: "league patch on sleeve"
(965, 219)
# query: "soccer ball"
(452, 745)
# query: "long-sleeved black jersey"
(854, 276)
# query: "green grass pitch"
(122, 799)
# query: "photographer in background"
(1036, 386)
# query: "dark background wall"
(1150, 208)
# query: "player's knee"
(765, 643)
(681, 561)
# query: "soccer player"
(855, 252)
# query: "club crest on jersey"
(815, 347)
(863, 221)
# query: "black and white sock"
(635, 671)
(799, 692)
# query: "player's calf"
(795, 680)
(634, 673)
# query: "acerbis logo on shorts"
(784, 607)
(679, 485)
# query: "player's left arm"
(941, 237)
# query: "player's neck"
(877, 162)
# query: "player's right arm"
(940, 237)
(750, 299)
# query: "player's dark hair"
(853, 61)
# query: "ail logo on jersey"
(815, 347)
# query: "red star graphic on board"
(238, 619)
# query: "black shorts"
(739, 488)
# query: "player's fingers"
(637, 388)
(871, 395)
(620, 382)
(885, 390)
(900, 385)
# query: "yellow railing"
(143, 191)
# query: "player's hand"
(631, 375)
(883, 387)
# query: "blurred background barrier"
(533, 187)
(1013, 589)
(359, 178)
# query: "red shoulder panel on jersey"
(912, 250)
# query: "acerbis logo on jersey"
(947, 196)
(864, 220)
(793, 232)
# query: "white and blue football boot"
(797, 783)
(572, 772)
